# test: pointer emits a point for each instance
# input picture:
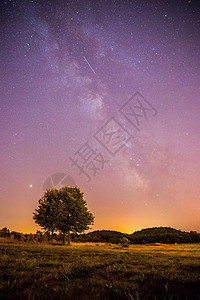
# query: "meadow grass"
(99, 271)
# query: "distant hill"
(149, 235)
(104, 236)
(164, 235)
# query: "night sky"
(104, 95)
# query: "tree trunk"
(48, 237)
(52, 236)
(68, 239)
(64, 237)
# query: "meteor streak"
(89, 64)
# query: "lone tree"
(65, 211)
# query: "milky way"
(72, 73)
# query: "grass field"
(99, 271)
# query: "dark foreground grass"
(99, 271)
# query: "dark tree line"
(164, 235)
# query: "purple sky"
(67, 67)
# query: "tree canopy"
(63, 210)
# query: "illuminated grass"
(99, 271)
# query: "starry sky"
(105, 95)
